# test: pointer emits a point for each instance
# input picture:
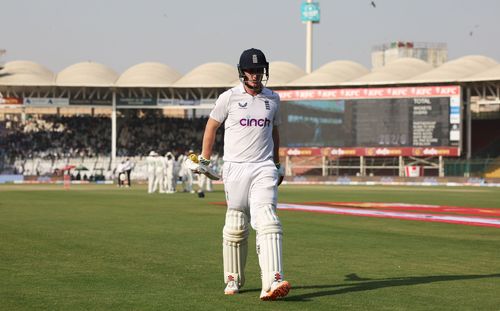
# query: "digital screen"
(312, 123)
(377, 122)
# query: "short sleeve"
(221, 109)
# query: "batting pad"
(269, 247)
(235, 245)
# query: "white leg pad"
(269, 246)
(235, 246)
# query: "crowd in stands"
(58, 137)
(55, 137)
(138, 135)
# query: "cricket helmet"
(253, 59)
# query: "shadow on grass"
(364, 284)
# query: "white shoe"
(231, 288)
(278, 289)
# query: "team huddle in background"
(164, 171)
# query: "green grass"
(103, 248)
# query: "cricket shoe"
(232, 285)
(278, 289)
(231, 288)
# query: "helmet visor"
(255, 70)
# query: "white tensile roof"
(282, 74)
(332, 73)
(27, 73)
(148, 74)
(456, 70)
(87, 74)
(209, 75)
(488, 75)
(394, 72)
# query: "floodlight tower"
(309, 16)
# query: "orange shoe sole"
(278, 292)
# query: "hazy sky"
(186, 33)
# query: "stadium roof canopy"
(488, 75)
(456, 70)
(87, 74)
(149, 74)
(26, 73)
(209, 75)
(332, 73)
(394, 72)
(221, 75)
(282, 73)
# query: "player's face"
(253, 77)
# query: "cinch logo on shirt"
(255, 122)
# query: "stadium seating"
(43, 143)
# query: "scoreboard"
(399, 121)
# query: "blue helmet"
(253, 59)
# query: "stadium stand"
(45, 143)
(38, 139)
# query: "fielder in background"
(251, 174)
(204, 185)
(151, 161)
(170, 179)
(185, 174)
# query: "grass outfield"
(104, 248)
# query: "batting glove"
(203, 161)
(200, 165)
(281, 173)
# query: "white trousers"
(187, 180)
(170, 182)
(251, 195)
(151, 182)
(249, 186)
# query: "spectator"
(57, 137)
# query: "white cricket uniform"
(186, 174)
(204, 183)
(151, 161)
(170, 175)
(160, 175)
(248, 147)
(250, 181)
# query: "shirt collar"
(241, 90)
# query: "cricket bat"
(194, 164)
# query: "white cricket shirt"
(249, 122)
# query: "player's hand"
(281, 173)
(199, 165)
